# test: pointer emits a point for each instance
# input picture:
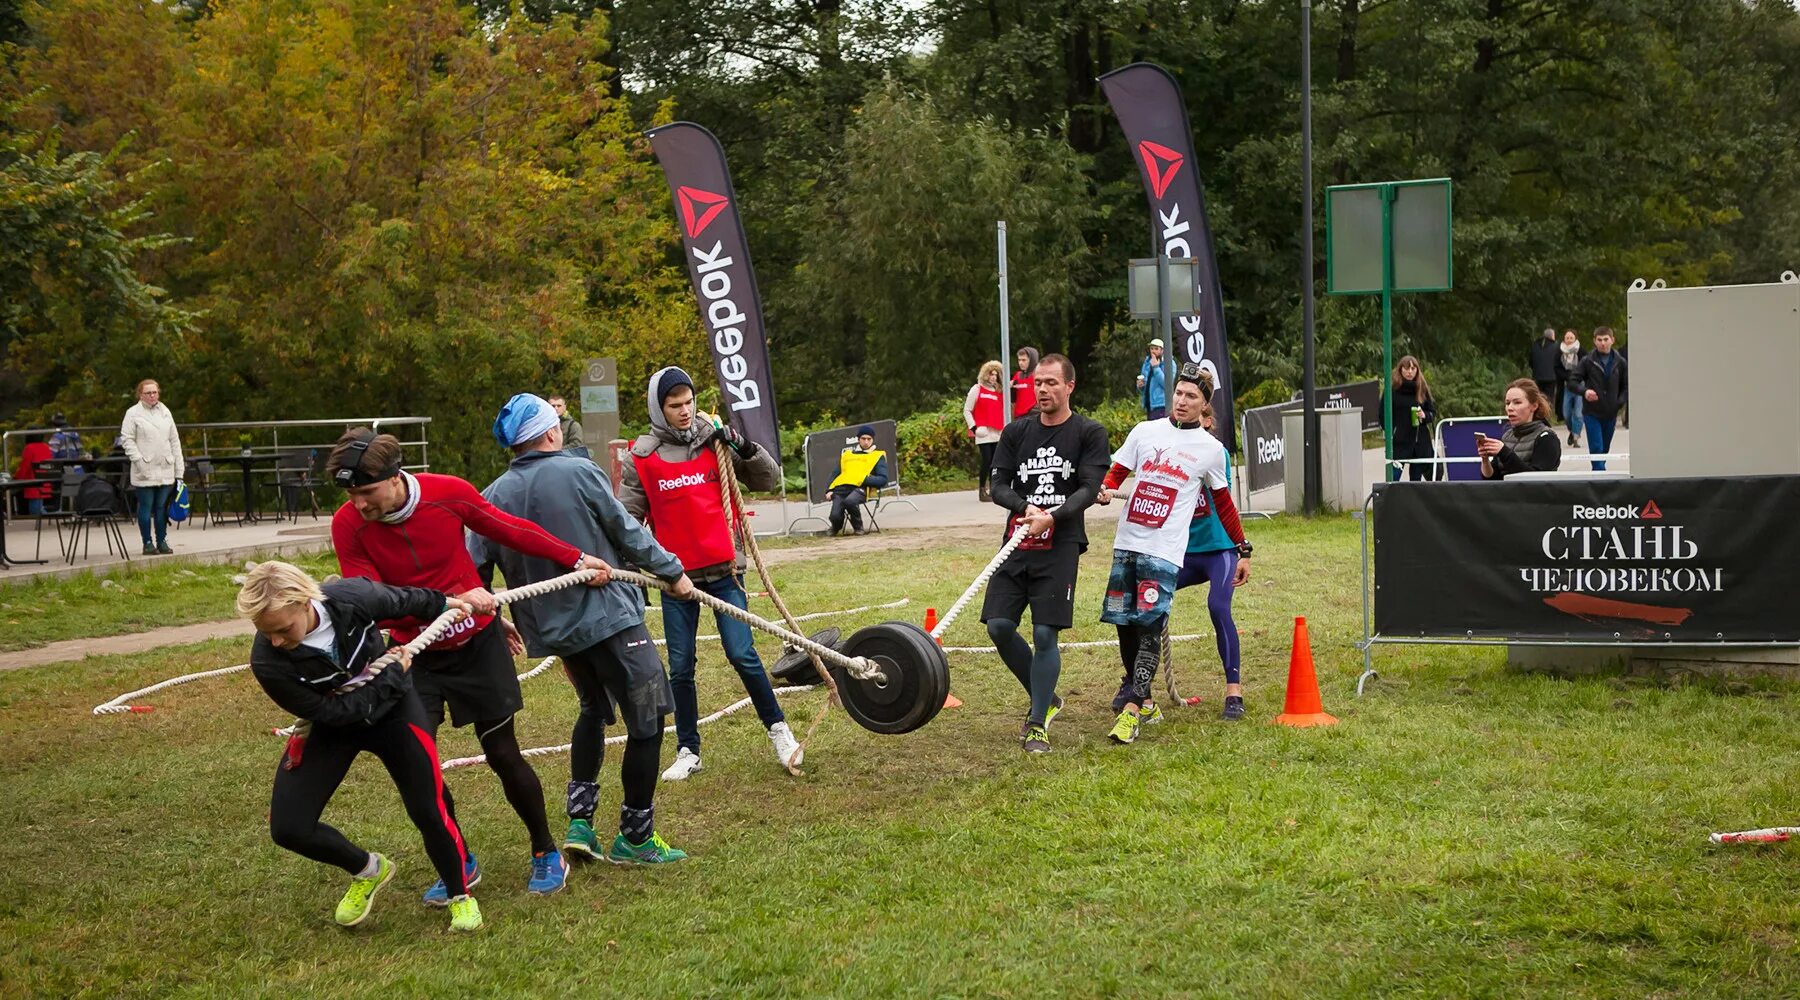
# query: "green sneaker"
(1049, 713)
(465, 914)
(1126, 729)
(1150, 714)
(354, 907)
(655, 851)
(1037, 740)
(581, 840)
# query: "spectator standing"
(1603, 385)
(1024, 383)
(1529, 445)
(1568, 363)
(571, 429)
(1544, 369)
(1153, 382)
(985, 415)
(151, 441)
(35, 451)
(1413, 412)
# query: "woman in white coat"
(149, 438)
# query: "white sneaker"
(787, 749)
(686, 763)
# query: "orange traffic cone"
(1304, 707)
(931, 620)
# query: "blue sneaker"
(439, 896)
(548, 873)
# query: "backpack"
(96, 496)
(179, 503)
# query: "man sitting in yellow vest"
(860, 469)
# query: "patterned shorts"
(1139, 590)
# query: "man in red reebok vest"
(672, 485)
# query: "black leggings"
(1037, 669)
(987, 460)
(517, 779)
(405, 747)
(1140, 650)
(594, 674)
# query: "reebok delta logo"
(681, 482)
(699, 208)
(1161, 163)
(1623, 512)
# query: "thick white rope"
(735, 706)
(1771, 835)
(1076, 645)
(981, 579)
(858, 667)
(120, 704)
(540, 668)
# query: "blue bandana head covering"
(523, 418)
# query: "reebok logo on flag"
(1160, 162)
(699, 208)
(1651, 511)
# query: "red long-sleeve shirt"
(427, 550)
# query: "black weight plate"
(795, 665)
(915, 683)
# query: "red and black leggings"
(402, 740)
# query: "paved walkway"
(220, 543)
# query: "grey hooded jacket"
(570, 498)
(757, 470)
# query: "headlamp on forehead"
(350, 473)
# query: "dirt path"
(178, 635)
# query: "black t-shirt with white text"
(1047, 466)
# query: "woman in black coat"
(1413, 413)
(1529, 445)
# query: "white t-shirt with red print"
(1170, 466)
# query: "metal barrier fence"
(246, 436)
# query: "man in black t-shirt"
(1047, 471)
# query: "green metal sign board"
(1387, 237)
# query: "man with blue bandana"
(599, 634)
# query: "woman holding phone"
(1529, 445)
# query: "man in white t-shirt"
(1171, 461)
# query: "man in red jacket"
(407, 531)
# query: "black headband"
(350, 471)
(1190, 372)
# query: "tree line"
(298, 208)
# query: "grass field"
(1466, 831)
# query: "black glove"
(730, 435)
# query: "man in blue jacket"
(1153, 382)
(598, 632)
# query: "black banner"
(1155, 119)
(1265, 454)
(1644, 560)
(718, 262)
(1366, 394)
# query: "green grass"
(1466, 831)
(125, 600)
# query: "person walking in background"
(1603, 385)
(571, 429)
(1413, 412)
(1568, 363)
(1024, 383)
(1544, 369)
(985, 415)
(1153, 382)
(1529, 445)
(151, 441)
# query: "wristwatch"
(1244, 549)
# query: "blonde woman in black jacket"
(1529, 445)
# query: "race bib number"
(1034, 543)
(1202, 506)
(1150, 505)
